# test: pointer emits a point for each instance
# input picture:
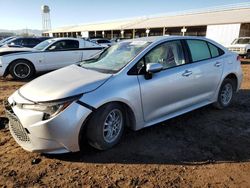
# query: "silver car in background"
(135, 83)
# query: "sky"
(21, 14)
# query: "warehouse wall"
(223, 34)
(245, 30)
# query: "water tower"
(46, 17)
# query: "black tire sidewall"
(13, 64)
(96, 123)
(248, 55)
(233, 84)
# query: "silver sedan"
(135, 83)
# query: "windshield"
(242, 41)
(116, 57)
(43, 44)
(5, 40)
(9, 41)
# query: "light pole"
(183, 30)
(147, 32)
(122, 33)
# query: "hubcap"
(112, 125)
(21, 70)
(226, 94)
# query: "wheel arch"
(7, 70)
(233, 77)
(129, 116)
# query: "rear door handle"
(217, 64)
(187, 73)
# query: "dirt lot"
(204, 148)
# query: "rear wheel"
(248, 55)
(226, 93)
(21, 69)
(105, 127)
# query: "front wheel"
(105, 127)
(248, 55)
(21, 70)
(226, 93)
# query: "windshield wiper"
(106, 71)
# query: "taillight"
(238, 58)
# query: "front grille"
(14, 124)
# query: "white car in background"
(241, 46)
(102, 42)
(48, 55)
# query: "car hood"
(11, 50)
(63, 83)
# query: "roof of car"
(159, 38)
(99, 39)
(66, 38)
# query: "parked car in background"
(6, 39)
(8, 49)
(29, 42)
(241, 46)
(48, 55)
(134, 83)
(101, 41)
(114, 40)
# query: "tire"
(226, 93)
(21, 70)
(103, 124)
(248, 55)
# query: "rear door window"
(16, 41)
(33, 42)
(25, 42)
(215, 51)
(199, 50)
(103, 41)
(71, 44)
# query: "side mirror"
(153, 68)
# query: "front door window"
(169, 54)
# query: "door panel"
(209, 63)
(170, 89)
(180, 85)
(58, 59)
(208, 74)
(167, 92)
(62, 53)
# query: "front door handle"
(187, 73)
(217, 64)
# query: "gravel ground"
(203, 148)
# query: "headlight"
(50, 109)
